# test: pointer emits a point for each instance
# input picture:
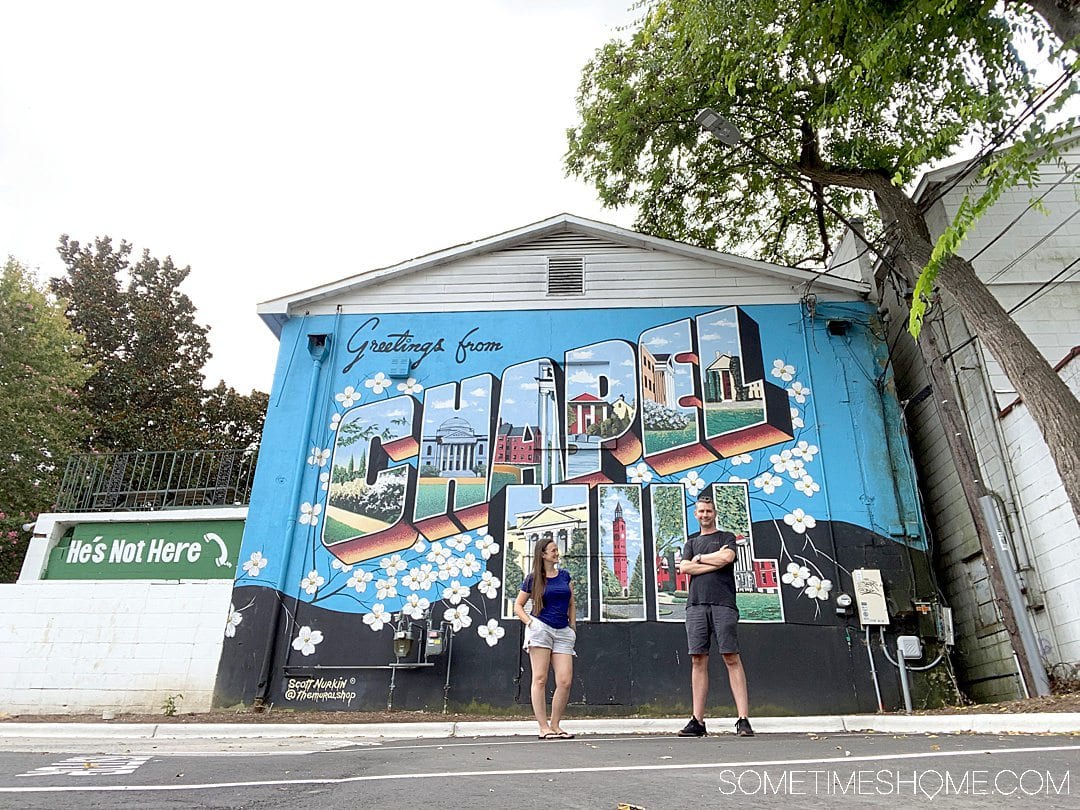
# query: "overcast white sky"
(276, 146)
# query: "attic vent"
(566, 275)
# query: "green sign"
(175, 549)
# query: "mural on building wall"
(428, 493)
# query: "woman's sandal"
(551, 735)
(563, 735)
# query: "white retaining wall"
(75, 646)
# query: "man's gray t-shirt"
(715, 587)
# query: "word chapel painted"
(423, 494)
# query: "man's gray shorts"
(705, 621)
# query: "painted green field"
(759, 607)
(335, 530)
(657, 441)
(431, 498)
(722, 420)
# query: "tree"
(41, 370)
(840, 103)
(148, 349)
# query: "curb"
(1049, 723)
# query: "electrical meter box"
(870, 597)
(434, 643)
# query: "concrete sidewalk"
(1033, 723)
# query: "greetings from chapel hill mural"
(425, 492)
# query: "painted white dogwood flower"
(487, 546)
(491, 632)
(768, 483)
(470, 566)
(796, 469)
(796, 419)
(312, 582)
(378, 617)
(415, 606)
(393, 564)
(379, 383)
(335, 420)
(437, 554)
(255, 564)
(640, 473)
(359, 580)
(799, 521)
(348, 397)
(798, 392)
(782, 461)
(324, 480)
(338, 565)
(385, 588)
(693, 482)
(459, 542)
(419, 546)
(458, 617)
(318, 456)
(807, 486)
(309, 514)
(419, 579)
(742, 458)
(782, 370)
(232, 622)
(306, 639)
(796, 575)
(489, 585)
(410, 386)
(818, 588)
(805, 451)
(455, 593)
(734, 479)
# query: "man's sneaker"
(742, 728)
(695, 728)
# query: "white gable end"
(625, 270)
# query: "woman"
(550, 632)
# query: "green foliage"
(836, 99)
(636, 588)
(732, 512)
(148, 351)
(42, 366)
(669, 521)
(513, 576)
(576, 562)
(171, 705)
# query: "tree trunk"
(1063, 17)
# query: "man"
(709, 558)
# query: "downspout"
(318, 348)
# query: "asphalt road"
(812, 770)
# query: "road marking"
(108, 765)
(707, 766)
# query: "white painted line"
(708, 766)
(107, 765)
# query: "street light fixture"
(718, 126)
